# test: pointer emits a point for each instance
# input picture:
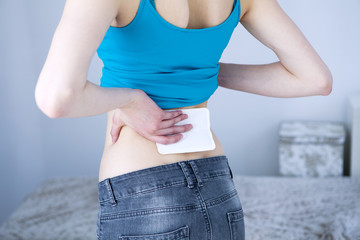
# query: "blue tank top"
(176, 67)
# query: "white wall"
(34, 147)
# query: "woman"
(161, 56)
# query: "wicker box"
(311, 148)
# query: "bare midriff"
(133, 152)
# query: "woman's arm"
(62, 89)
(300, 71)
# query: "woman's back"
(175, 66)
(194, 14)
(169, 49)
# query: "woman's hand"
(149, 120)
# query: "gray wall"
(34, 147)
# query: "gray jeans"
(193, 199)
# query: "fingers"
(167, 133)
(167, 128)
(171, 122)
(174, 130)
(117, 124)
(115, 132)
(167, 139)
(171, 114)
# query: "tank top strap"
(152, 3)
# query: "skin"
(134, 122)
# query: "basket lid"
(312, 131)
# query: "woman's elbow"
(53, 102)
(326, 82)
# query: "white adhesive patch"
(197, 139)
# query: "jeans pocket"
(236, 224)
(181, 233)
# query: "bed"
(274, 208)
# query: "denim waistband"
(193, 172)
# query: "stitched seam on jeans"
(216, 176)
(221, 199)
(147, 191)
(142, 212)
(213, 177)
(204, 212)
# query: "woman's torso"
(132, 151)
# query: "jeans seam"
(145, 191)
(148, 211)
(204, 212)
(222, 198)
(166, 186)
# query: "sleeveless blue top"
(176, 67)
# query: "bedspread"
(274, 208)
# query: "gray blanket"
(274, 208)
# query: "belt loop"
(110, 192)
(187, 174)
(196, 172)
(229, 169)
